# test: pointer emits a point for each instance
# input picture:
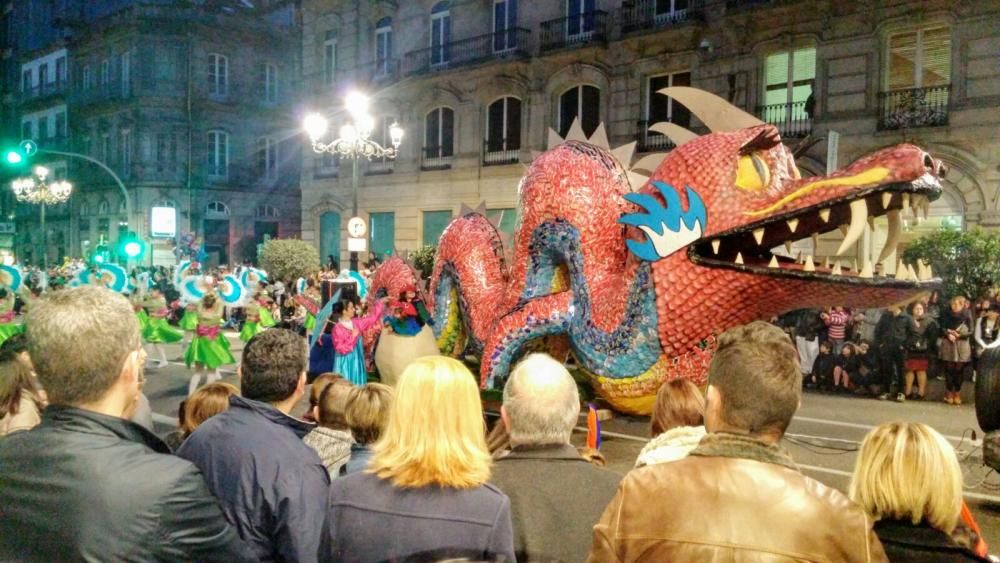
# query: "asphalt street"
(822, 439)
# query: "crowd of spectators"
(406, 473)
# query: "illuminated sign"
(163, 222)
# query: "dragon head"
(718, 204)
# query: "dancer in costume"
(209, 350)
(258, 316)
(406, 336)
(8, 327)
(309, 297)
(348, 349)
(157, 330)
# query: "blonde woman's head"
(436, 433)
(206, 402)
(907, 471)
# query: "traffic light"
(100, 255)
(15, 156)
(131, 247)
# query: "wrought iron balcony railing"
(575, 30)
(511, 43)
(378, 166)
(436, 158)
(642, 15)
(791, 119)
(102, 93)
(500, 151)
(914, 107)
(649, 141)
(44, 90)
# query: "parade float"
(629, 270)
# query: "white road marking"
(974, 443)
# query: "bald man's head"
(541, 402)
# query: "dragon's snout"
(935, 167)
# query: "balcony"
(45, 90)
(915, 107)
(573, 31)
(791, 119)
(650, 141)
(159, 171)
(436, 158)
(378, 166)
(104, 93)
(499, 152)
(508, 44)
(645, 15)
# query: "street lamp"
(354, 143)
(36, 190)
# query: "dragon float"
(633, 269)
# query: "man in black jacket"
(893, 333)
(87, 484)
(556, 496)
(273, 487)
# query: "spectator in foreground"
(273, 487)
(206, 402)
(541, 406)
(425, 494)
(908, 478)
(738, 495)
(677, 425)
(367, 415)
(87, 483)
(332, 438)
(21, 400)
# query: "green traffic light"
(133, 249)
(13, 157)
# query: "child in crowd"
(332, 438)
(867, 377)
(823, 367)
(367, 414)
(847, 368)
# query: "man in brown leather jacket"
(738, 496)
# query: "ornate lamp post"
(354, 143)
(37, 190)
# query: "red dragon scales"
(639, 275)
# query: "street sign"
(163, 222)
(357, 244)
(29, 147)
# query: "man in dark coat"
(556, 496)
(272, 486)
(894, 331)
(87, 484)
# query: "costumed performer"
(348, 348)
(258, 316)
(406, 336)
(11, 281)
(157, 330)
(209, 349)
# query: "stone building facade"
(476, 86)
(192, 107)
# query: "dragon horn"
(805, 144)
(674, 132)
(716, 113)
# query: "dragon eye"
(752, 173)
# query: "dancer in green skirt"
(157, 330)
(209, 350)
(8, 327)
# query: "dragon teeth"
(774, 262)
(837, 271)
(758, 235)
(809, 265)
(911, 272)
(906, 202)
(902, 274)
(892, 239)
(859, 215)
(715, 245)
(792, 224)
(788, 247)
(843, 229)
(739, 258)
(866, 271)
(871, 223)
(824, 215)
(886, 199)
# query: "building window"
(27, 130)
(86, 78)
(43, 76)
(439, 133)
(382, 233)
(441, 33)
(126, 68)
(326, 165)
(60, 124)
(61, 70)
(43, 127)
(505, 218)
(216, 210)
(266, 212)
(267, 158)
(84, 208)
(435, 223)
(383, 46)
(218, 75)
(579, 17)
(504, 25)
(103, 208)
(503, 129)
(218, 154)
(269, 82)
(330, 59)
(919, 58)
(789, 78)
(125, 152)
(26, 81)
(583, 102)
(166, 151)
(661, 108)
(105, 72)
(105, 147)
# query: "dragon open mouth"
(749, 248)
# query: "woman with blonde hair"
(677, 424)
(21, 400)
(424, 493)
(908, 478)
(206, 402)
